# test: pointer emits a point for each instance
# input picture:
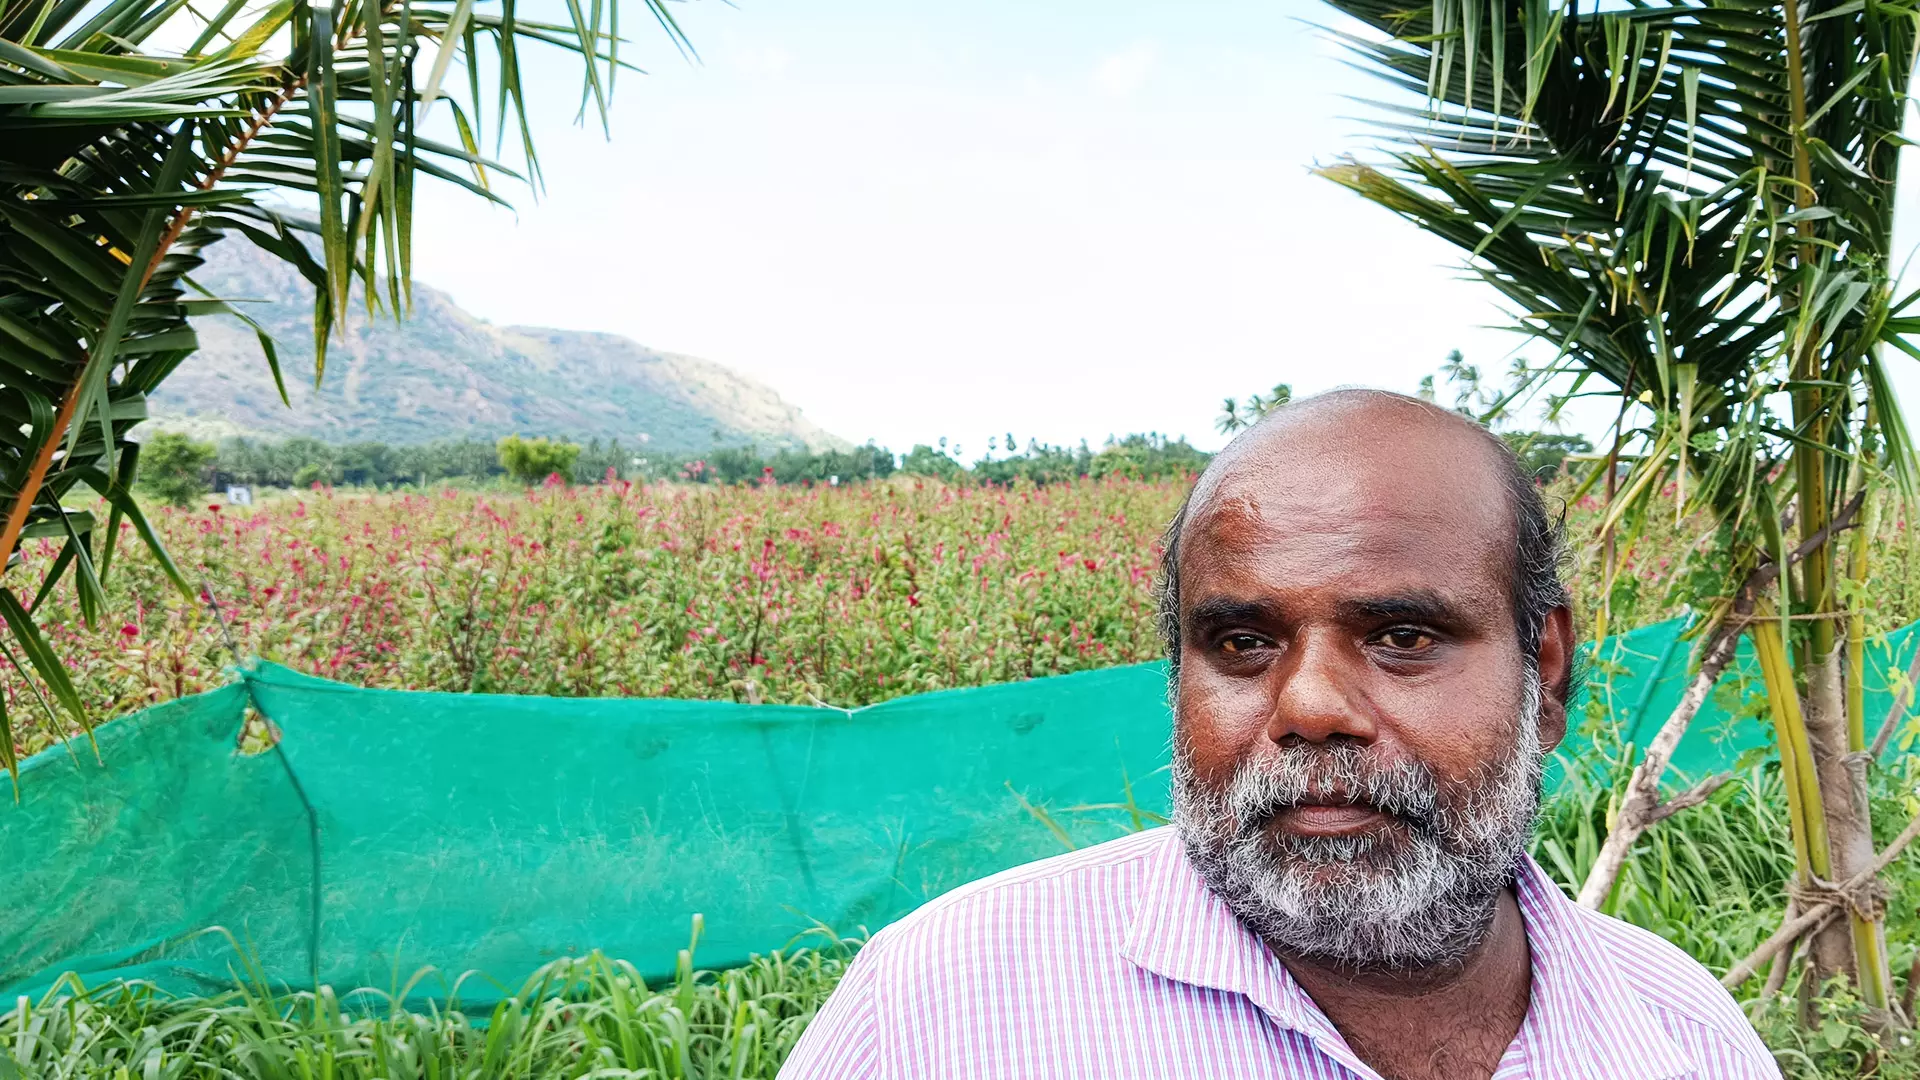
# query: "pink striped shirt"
(1117, 962)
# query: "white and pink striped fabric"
(1117, 962)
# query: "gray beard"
(1418, 895)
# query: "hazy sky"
(1056, 218)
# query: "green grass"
(1712, 880)
(585, 1017)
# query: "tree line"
(178, 469)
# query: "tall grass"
(1712, 879)
(581, 1017)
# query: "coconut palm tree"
(136, 133)
(1689, 203)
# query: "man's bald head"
(1373, 437)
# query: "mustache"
(1332, 774)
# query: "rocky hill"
(445, 373)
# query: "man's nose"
(1316, 693)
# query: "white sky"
(1058, 218)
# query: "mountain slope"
(444, 373)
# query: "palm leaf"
(121, 161)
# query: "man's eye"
(1407, 639)
(1236, 643)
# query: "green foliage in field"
(1712, 880)
(173, 468)
(1837, 1043)
(531, 461)
(587, 1017)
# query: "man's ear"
(1556, 676)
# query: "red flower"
(130, 630)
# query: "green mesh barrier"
(1637, 678)
(392, 831)
(497, 833)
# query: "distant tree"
(313, 472)
(368, 464)
(1152, 456)
(924, 460)
(173, 468)
(1039, 465)
(734, 465)
(601, 459)
(1234, 415)
(473, 459)
(531, 461)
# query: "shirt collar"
(1584, 1020)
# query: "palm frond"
(120, 164)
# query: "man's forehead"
(1375, 493)
(1238, 554)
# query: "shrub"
(173, 468)
(531, 461)
(924, 460)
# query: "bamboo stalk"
(1809, 823)
(1858, 548)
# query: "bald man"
(1371, 651)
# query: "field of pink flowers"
(846, 595)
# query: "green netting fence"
(390, 831)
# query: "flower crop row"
(844, 595)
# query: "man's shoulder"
(1084, 887)
(1680, 991)
(1661, 972)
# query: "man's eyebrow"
(1221, 610)
(1418, 605)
